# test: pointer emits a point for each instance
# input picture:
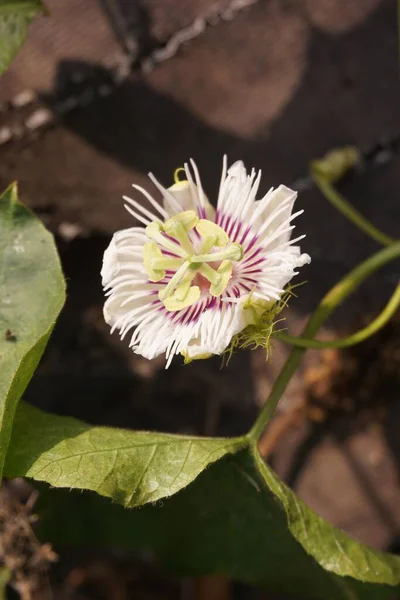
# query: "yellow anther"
(152, 252)
(225, 273)
(174, 303)
(207, 243)
(178, 226)
(188, 219)
(208, 228)
(154, 232)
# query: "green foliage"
(227, 521)
(15, 17)
(332, 548)
(131, 467)
(32, 295)
(237, 517)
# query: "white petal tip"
(304, 259)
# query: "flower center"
(171, 249)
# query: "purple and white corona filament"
(194, 277)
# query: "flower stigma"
(192, 255)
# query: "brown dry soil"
(276, 84)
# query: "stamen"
(225, 273)
(207, 228)
(153, 231)
(166, 263)
(208, 242)
(188, 219)
(172, 303)
(210, 274)
(152, 252)
(174, 281)
(177, 291)
(178, 226)
(183, 288)
(232, 252)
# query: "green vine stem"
(361, 335)
(339, 202)
(330, 301)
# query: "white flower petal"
(118, 254)
(276, 209)
(210, 334)
(123, 272)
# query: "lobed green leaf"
(32, 293)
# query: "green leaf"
(131, 467)
(237, 517)
(331, 547)
(32, 295)
(226, 522)
(15, 17)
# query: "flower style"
(194, 277)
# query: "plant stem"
(351, 213)
(330, 301)
(353, 339)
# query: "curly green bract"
(258, 334)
